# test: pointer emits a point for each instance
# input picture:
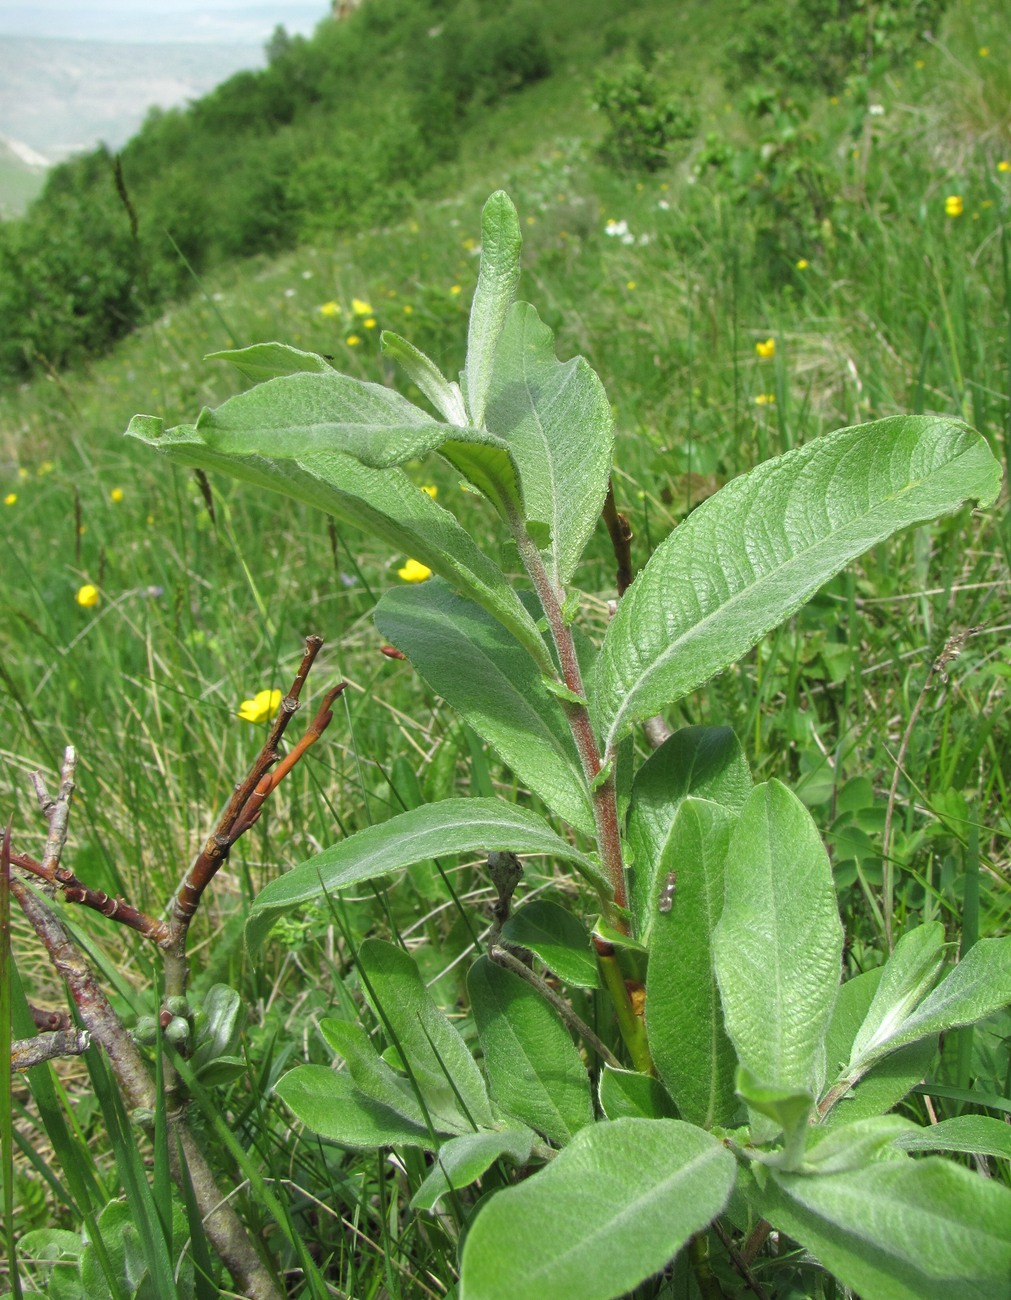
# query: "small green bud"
(142, 1116)
(146, 1030)
(177, 1032)
(179, 1006)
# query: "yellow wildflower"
(116, 496)
(46, 467)
(920, 63)
(953, 205)
(352, 340)
(87, 596)
(23, 472)
(261, 707)
(370, 323)
(767, 349)
(330, 308)
(470, 245)
(408, 309)
(360, 307)
(431, 489)
(413, 571)
(455, 289)
(1004, 165)
(802, 264)
(10, 499)
(765, 399)
(630, 284)
(984, 51)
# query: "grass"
(899, 307)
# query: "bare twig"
(74, 891)
(224, 1228)
(214, 852)
(26, 1052)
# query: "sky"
(158, 21)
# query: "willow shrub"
(749, 1086)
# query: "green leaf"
(269, 360)
(534, 1070)
(788, 1108)
(497, 281)
(684, 1017)
(558, 938)
(977, 1134)
(440, 1062)
(556, 420)
(421, 370)
(900, 1229)
(490, 679)
(888, 1082)
(294, 415)
(329, 1104)
(383, 502)
(612, 1209)
(706, 762)
(627, 1094)
(751, 555)
(369, 1072)
(909, 974)
(463, 1159)
(434, 830)
(851, 1146)
(778, 944)
(977, 987)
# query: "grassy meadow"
(790, 272)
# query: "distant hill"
(62, 97)
(22, 175)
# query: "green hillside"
(758, 223)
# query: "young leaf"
(837, 1150)
(464, 1159)
(977, 987)
(558, 938)
(778, 944)
(556, 420)
(294, 415)
(909, 974)
(889, 1081)
(269, 360)
(627, 1094)
(902, 1229)
(329, 1104)
(383, 502)
(707, 762)
(611, 1209)
(497, 280)
(534, 1070)
(434, 830)
(492, 682)
(440, 1062)
(789, 1109)
(977, 1134)
(684, 1018)
(421, 370)
(751, 555)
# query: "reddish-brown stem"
(207, 862)
(605, 808)
(116, 909)
(620, 532)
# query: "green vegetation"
(861, 243)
